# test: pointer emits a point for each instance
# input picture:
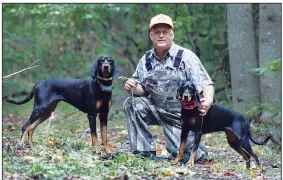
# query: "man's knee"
(127, 103)
(137, 102)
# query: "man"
(154, 85)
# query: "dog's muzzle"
(186, 98)
(106, 70)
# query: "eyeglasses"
(158, 33)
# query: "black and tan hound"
(91, 96)
(218, 118)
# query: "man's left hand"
(206, 103)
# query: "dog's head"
(105, 66)
(188, 94)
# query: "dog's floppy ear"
(196, 94)
(115, 70)
(94, 68)
(181, 84)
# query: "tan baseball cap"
(161, 19)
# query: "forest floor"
(63, 151)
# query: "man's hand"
(131, 84)
(206, 103)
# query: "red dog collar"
(190, 105)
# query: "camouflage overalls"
(161, 79)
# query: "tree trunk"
(242, 53)
(270, 49)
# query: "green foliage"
(274, 110)
(271, 66)
(67, 37)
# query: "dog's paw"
(177, 159)
(174, 162)
(191, 162)
(107, 149)
(97, 150)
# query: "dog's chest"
(102, 104)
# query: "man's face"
(162, 36)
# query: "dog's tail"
(27, 99)
(257, 141)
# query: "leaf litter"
(65, 157)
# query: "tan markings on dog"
(192, 121)
(181, 151)
(95, 143)
(109, 104)
(182, 122)
(105, 144)
(104, 134)
(32, 128)
(98, 104)
(192, 158)
(24, 135)
(230, 136)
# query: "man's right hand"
(130, 84)
(133, 84)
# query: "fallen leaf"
(50, 143)
(210, 161)
(253, 175)
(216, 168)
(229, 174)
(153, 174)
(166, 173)
(158, 150)
(257, 153)
(123, 133)
(112, 144)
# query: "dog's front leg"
(184, 135)
(92, 124)
(193, 155)
(103, 127)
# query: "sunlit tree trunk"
(270, 49)
(245, 85)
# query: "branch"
(27, 68)
(219, 66)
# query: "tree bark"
(270, 49)
(242, 53)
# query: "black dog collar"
(105, 88)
